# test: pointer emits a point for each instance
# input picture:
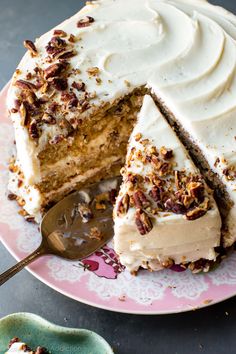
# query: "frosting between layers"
(172, 236)
(184, 51)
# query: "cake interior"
(94, 151)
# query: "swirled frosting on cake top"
(183, 51)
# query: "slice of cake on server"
(165, 214)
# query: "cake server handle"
(40, 251)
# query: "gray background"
(212, 330)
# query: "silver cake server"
(75, 227)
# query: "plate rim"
(116, 309)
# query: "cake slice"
(165, 213)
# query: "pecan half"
(59, 33)
(54, 70)
(80, 86)
(85, 22)
(123, 205)
(174, 206)
(55, 44)
(140, 200)
(25, 85)
(143, 222)
(195, 213)
(31, 47)
(65, 54)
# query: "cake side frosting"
(165, 213)
(183, 51)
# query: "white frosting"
(184, 50)
(172, 236)
(18, 348)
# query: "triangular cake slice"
(165, 213)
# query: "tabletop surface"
(211, 330)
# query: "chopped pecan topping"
(84, 105)
(56, 139)
(156, 180)
(70, 98)
(25, 85)
(196, 189)
(168, 263)
(94, 71)
(72, 38)
(140, 200)
(95, 233)
(65, 54)
(134, 178)
(138, 137)
(156, 193)
(31, 47)
(177, 179)
(55, 44)
(123, 205)
(229, 173)
(195, 213)
(30, 219)
(80, 86)
(217, 161)
(85, 212)
(48, 119)
(164, 169)
(59, 33)
(59, 84)
(174, 206)
(187, 200)
(24, 115)
(33, 129)
(12, 196)
(143, 222)
(85, 22)
(54, 70)
(166, 153)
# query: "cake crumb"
(207, 301)
(95, 233)
(122, 298)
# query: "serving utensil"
(75, 227)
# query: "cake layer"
(165, 213)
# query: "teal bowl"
(36, 331)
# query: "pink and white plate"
(100, 280)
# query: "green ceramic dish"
(35, 331)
